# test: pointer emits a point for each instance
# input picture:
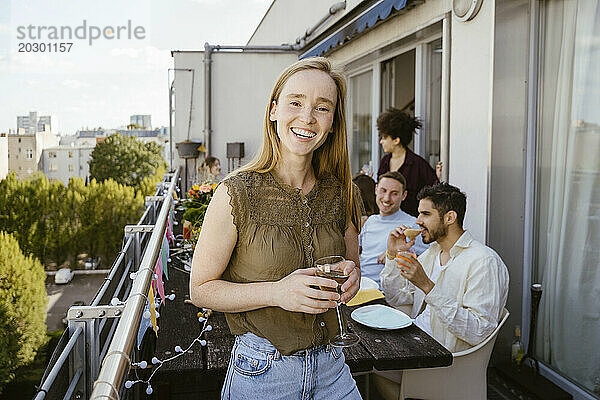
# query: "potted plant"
(194, 207)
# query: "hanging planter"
(188, 149)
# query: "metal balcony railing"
(93, 355)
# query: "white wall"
(242, 84)
(471, 76)
(183, 85)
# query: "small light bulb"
(178, 349)
(208, 328)
(146, 314)
(155, 360)
(175, 223)
(201, 319)
(149, 390)
(169, 259)
(128, 384)
(143, 364)
(132, 275)
(114, 301)
(203, 342)
(171, 296)
(157, 314)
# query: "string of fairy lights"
(203, 319)
(153, 304)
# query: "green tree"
(22, 307)
(105, 210)
(35, 211)
(126, 160)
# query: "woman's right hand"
(397, 241)
(294, 292)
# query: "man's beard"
(438, 232)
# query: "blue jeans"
(257, 371)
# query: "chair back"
(466, 378)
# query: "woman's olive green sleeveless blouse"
(281, 230)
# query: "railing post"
(77, 361)
(154, 201)
(86, 354)
(135, 232)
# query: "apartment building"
(25, 152)
(62, 163)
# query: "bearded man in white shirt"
(458, 287)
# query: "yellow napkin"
(364, 296)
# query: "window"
(70, 154)
(70, 167)
(567, 208)
(51, 154)
(29, 154)
(431, 131)
(53, 168)
(361, 120)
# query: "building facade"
(143, 121)
(25, 152)
(62, 163)
(508, 95)
(33, 123)
(3, 155)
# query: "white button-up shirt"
(468, 298)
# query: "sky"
(101, 84)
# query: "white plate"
(382, 317)
(368, 283)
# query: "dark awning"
(367, 20)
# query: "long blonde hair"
(332, 155)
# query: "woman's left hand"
(351, 286)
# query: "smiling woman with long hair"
(265, 227)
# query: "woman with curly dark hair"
(396, 130)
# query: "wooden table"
(201, 373)
(407, 348)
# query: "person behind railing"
(266, 225)
(396, 131)
(209, 171)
